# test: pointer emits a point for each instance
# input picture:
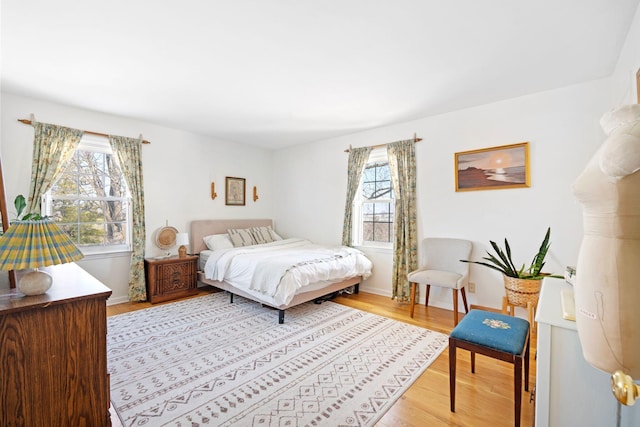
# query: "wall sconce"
(255, 193)
(213, 191)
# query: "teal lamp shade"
(32, 244)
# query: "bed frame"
(202, 228)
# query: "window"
(90, 201)
(374, 204)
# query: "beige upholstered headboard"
(206, 227)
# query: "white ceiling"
(283, 72)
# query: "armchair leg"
(455, 307)
(464, 300)
(426, 296)
(413, 299)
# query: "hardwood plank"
(483, 399)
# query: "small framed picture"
(506, 166)
(235, 191)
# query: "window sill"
(377, 249)
(106, 254)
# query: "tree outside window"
(377, 209)
(90, 201)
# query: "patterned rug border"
(324, 358)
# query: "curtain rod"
(415, 139)
(30, 122)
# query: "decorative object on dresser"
(170, 278)
(235, 190)
(182, 239)
(34, 242)
(506, 166)
(53, 353)
(255, 193)
(226, 364)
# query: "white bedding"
(282, 268)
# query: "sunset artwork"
(506, 166)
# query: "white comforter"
(280, 268)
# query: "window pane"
(376, 181)
(65, 211)
(92, 234)
(71, 230)
(90, 186)
(377, 222)
(117, 233)
(91, 210)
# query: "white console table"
(569, 391)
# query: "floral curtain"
(402, 163)
(357, 161)
(53, 147)
(128, 152)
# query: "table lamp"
(182, 239)
(32, 244)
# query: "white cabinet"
(569, 391)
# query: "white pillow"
(275, 236)
(217, 241)
(241, 237)
(262, 234)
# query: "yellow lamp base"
(35, 283)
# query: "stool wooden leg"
(413, 299)
(452, 374)
(504, 305)
(473, 362)
(517, 385)
(526, 363)
(455, 307)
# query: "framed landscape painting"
(505, 166)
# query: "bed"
(222, 268)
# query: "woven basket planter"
(521, 291)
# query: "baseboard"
(117, 300)
(481, 307)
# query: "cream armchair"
(440, 265)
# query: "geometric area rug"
(206, 362)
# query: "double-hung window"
(374, 204)
(90, 201)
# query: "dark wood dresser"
(171, 278)
(53, 353)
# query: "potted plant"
(522, 285)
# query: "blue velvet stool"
(495, 335)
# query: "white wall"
(563, 131)
(624, 89)
(178, 168)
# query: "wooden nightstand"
(170, 278)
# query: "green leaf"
(20, 203)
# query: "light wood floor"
(482, 399)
